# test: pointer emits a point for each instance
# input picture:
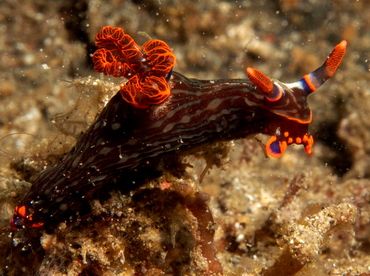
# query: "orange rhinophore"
(260, 80)
(273, 91)
(147, 69)
(335, 58)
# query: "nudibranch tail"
(289, 101)
(147, 68)
(20, 219)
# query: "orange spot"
(298, 140)
(36, 225)
(260, 80)
(165, 185)
(286, 134)
(290, 140)
(21, 211)
(309, 144)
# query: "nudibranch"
(158, 112)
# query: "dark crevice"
(74, 14)
(340, 158)
(341, 161)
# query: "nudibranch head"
(147, 68)
(289, 101)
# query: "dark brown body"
(125, 139)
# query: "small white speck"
(45, 66)
(116, 126)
